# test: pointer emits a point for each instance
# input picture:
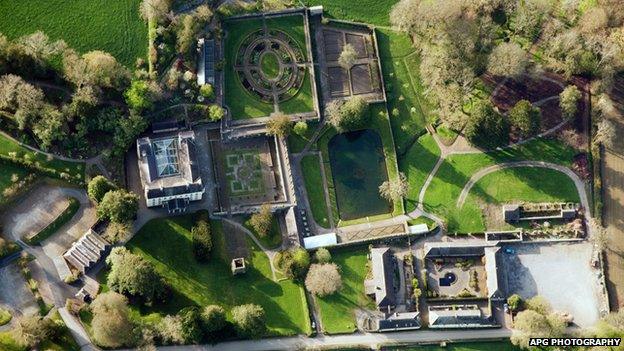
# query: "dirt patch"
(613, 175)
(529, 87)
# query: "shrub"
(300, 128)
(515, 302)
(202, 241)
(190, 323)
(249, 320)
(215, 113)
(207, 91)
(568, 101)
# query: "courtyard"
(561, 273)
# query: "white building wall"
(158, 201)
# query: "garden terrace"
(250, 172)
(268, 67)
(363, 78)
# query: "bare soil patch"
(613, 175)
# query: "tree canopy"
(133, 275)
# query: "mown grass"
(296, 143)
(302, 101)
(409, 109)
(416, 164)
(503, 345)
(195, 284)
(8, 146)
(338, 310)
(367, 11)
(456, 170)
(7, 171)
(310, 167)
(111, 26)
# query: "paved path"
(357, 339)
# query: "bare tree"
(508, 59)
(404, 14)
(394, 189)
(111, 320)
(606, 133)
(323, 279)
(154, 9)
(279, 125)
(568, 101)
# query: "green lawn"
(5, 316)
(212, 283)
(243, 104)
(416, 165)
(270, 65)
(314, 187)
(368, 11)
(454, 173)
(404, 89)
(112, 26)
(7, 146)
(273, 240)
(337, 311)
(296, 143)
(503, 345)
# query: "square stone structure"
(250, 172)
(238, 266)
(168, 170)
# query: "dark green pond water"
(358, 168)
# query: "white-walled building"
(169, 171)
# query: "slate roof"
(381, 284)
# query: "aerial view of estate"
(311, 175)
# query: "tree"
(348, 56)
(249, 320)
(404, 14)
(606, 133)
(213, 318)
(215, 112)
(538, 304)
(295, 263)
(486, 127)
(117, 232)
(348, 115)
(525, 118)
(593, 20)
(155, 10)
(190, 323)
(207, 91)
(104, 70)
(261, 221)
(300, 128)
(568, 101)
(141, 95)
(202, 241)
(23, 99)
(515, 302)
(170, 330)
(530, 324)
(508, 59)
(396, 189)
(111, 323)
(133, 275)
(528, 17)
(279, 125)
(323, 279)
(32, 330)
(98, 187)
(49, 127)
(118, 206)
(322, 255)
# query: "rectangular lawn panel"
(338, 310)
(366, 11)
(358, 168)
(166, 242)
(302, 101)
(310, 167)
(111, 26)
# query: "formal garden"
(265, 66)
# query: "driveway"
(14, 294)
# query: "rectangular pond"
(358, 168)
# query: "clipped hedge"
(53, 227)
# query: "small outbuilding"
(238, 266)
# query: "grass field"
(416, 164)
(442, 194)
(463, 346)
(367, 11)
(310, 167)
(243, 104)
(212, 283)
(8, 146)
(7, 171)
(337, 311)
(409, 109)
(111, 26)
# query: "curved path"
(580, 185)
